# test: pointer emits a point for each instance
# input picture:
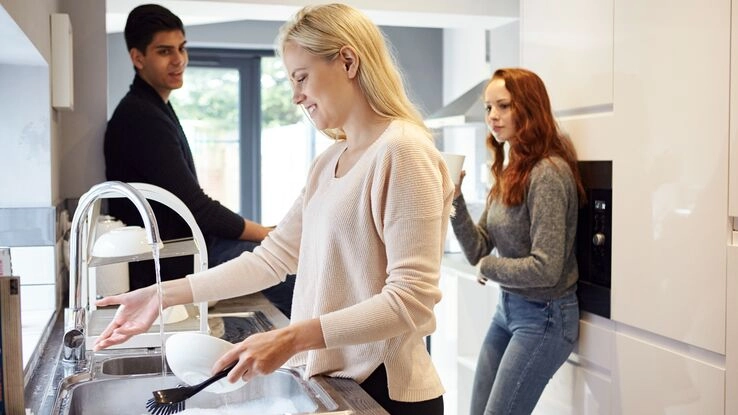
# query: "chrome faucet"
(73, 349)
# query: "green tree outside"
(212, 94)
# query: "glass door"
(252, 146)
(208, 108)
(289, 142)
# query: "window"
(252, 146)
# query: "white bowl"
(191, 357)
(125, 241)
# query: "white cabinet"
(731, 358)
(463, 317)
(576, 390)
(653, 379)
(733, 180)
(670, 168)
(658, 107)
(569, 45)
(581, 386)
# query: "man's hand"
(253, 231)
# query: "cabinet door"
(652, 379)
(569, 44)
(583, 385)
(659, 109)
(576, 390)
(733, 191)
(731, 355)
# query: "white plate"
(191, 357)
(174, 314)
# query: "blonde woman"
(365, 237)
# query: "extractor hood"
(464, 110)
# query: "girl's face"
(498, 109)
(320, 86)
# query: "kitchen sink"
(121, 381)
(278, 393)
(136, 365)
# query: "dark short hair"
(145, 21)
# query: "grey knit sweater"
(534, 240)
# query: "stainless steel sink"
(120, 383)
(280, 392)
(133, 365)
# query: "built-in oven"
(594, 238)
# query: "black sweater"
(144, 142)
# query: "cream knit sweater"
(366, 248)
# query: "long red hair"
(537, 137)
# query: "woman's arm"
(250, 272)
(475, 241)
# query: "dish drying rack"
(98, 318)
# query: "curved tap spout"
(99, 191)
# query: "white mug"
(454, 162)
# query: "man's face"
(163, 64)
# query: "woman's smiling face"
(322, 87)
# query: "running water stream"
(157, 268)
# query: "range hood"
(464, 110)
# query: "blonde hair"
(323, 30)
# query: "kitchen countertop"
(251, 302)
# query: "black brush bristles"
(156, 408)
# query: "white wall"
(83, 130)
(74, 138)
(32, 18)
(25, 133)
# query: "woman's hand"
(137, 312)
(263, 353)
(457, 188)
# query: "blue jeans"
(222, 250)
(525, 345)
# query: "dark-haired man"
(144, 142)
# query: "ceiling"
(193, 12)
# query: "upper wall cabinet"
(570, 45)
(646, 85)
